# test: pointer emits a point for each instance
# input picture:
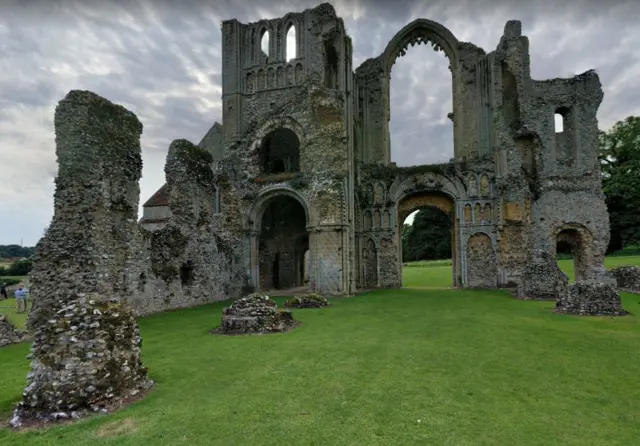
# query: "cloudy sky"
(161, 60)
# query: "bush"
(10, 280)
(307, 301)
(18, 268)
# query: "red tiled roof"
(160, 198)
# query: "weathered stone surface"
(627, 277)
(590, 299)
(311, 300)
(86, 358)
(86, 353)
(256, 313)
(90, 245)
(189, 258)
(9, 334)
(542, 279)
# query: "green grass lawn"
(392, 367)
(437, 273)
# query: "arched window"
(280, 152)
(290, 44)
(264, 42)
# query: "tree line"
(429, 238)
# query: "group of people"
(21, 294)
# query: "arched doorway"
(439, 204)
(280, 242)
(572, 241)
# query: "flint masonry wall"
(187, 261)
(86, 350)
(307, 95)
(90, 245)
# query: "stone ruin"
(304, 187)
(591, 299)
(86, 353)
(9, 334)
(296, 189)
(255, 314)
(627, 278)
(310, 300)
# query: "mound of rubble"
(311, 300)
(542, 279)
(9, 334)
(590, 299)
(256, 313)
(628, 278)
(86, 358)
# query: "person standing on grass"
(21, 298)
(3, 291)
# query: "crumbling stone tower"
(288, 160)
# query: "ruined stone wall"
(311, 103)
(90, 246)
(482, 268)
(185, 261)
(545, 180)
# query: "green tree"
(620, 161)
(429, 238)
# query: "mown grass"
(438, 274)
(392, 367)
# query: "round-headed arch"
(422, 30)
(285, 122)
(264, 199)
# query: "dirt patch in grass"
(117, 428)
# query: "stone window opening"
(558, 122)
(186, 273)
(283, 240)
(570, 242)
(331, 63)
(564, 136)
(280, 152)
(417, 48)
(265, 42)
(291, 50)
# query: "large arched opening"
(571, 242)
(282, 242)
(279, 152)
(430, 240)
(422, 114)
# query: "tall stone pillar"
(86, 353)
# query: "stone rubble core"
(9, 334)
(85, 359)
(311, 300)
(256, 313)
(627, 277)
(591, 298)
(542, 279)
